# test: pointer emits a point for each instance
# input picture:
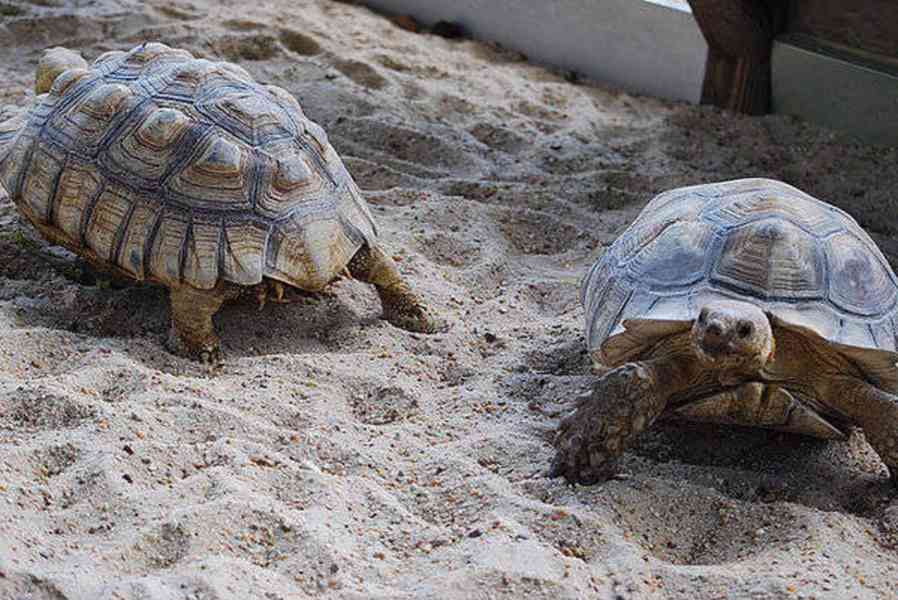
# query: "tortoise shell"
(181, 170)
(806, 263)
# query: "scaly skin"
(402, 307)
(624, 403)
(192, 332)
(875, 410)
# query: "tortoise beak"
(715, 340)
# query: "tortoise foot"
(207, 352)
(623, 403)
(576, 459)
(415, 318)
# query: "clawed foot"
(576, 459)
(416, 318)
(623, 403)
(207, 354)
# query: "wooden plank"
(740, 35)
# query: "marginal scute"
(244, 252)
(132, 256)
(319, 246)
(165, 256)
(39, 186)
(201, 260)
(78, 185)
(107, 219)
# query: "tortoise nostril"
(714, 329)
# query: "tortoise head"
(53, 63)
(732, 337)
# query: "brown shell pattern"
(802, 260)
(185, 171)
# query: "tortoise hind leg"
(192, 332)
(402, 307)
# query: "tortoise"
(161, 167)
(744, 302)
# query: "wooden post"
(739, 35)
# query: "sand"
(333, 455)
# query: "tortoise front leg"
(402, 307)
(623, 404)
(875, 410)
(192, 332)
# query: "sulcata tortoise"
(744, 302)
(161, 167)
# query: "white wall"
(837, 91)
(651, 47)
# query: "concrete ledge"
(651, 47)
(836, 87)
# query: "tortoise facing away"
(185, 172)
(745, 302)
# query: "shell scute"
(248, 116)
(78, 185)
(772, 258)
(151, 147)
(245, 246)
(218, 174)
(167, 250)
(676, 257)
(859, 282)
(40, 183)
(132, 256)
(90, 119)
(201, 262)
(107, 220)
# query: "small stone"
(406, 22)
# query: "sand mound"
(335, 455)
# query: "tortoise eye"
(744, 330)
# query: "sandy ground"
(334, 455)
